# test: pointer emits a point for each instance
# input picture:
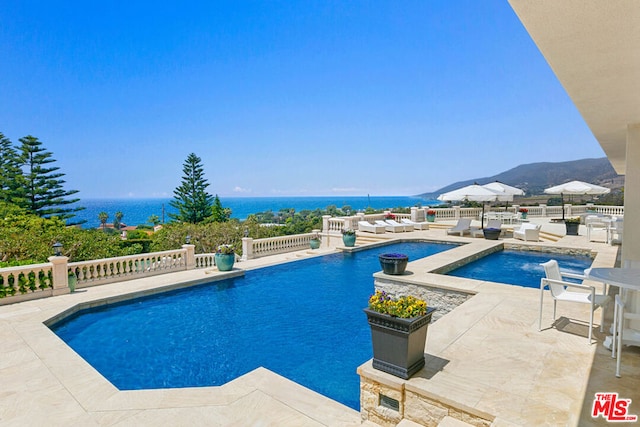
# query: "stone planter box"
(572, 228)
(398, 344)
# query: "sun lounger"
(371, 228)
(392, 228)
(406, 227)
(416, 225)
(463, 226)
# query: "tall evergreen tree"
(42, 185)
(191, 198)
(9, 172)
(218, 213)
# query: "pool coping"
(77, 391)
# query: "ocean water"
(138, 211)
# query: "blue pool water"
(520, 268)
(302, 320)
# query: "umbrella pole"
(562, 202)
(482, 217)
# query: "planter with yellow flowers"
(398, 333)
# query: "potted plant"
(431, 215)
(390, 216)
(398, 333)
(393, 263)
(349, 237)
(72, 281)
(491, 233)
(523, 212)
(314, 240)
(225, 257)
(572, 225)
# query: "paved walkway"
(490, 344)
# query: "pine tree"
(9, 172)
(218, 213)
(191, 198)
(42, 190)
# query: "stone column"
(418, 214)
(247, 248)
(456, 212)
(325, 223)
(60, 274)
(190, 256)
(544, 209)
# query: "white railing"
(275, 245)
(24, 279)
(109, 270)
(205, 260)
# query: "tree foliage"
(27, 237)
(9, 171)
(205, 236)
(191, 199)
(41, 191)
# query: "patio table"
(627, 279)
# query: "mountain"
(535, 177)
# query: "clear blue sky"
(282, 98)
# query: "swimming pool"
(520, 268)
(302, 320)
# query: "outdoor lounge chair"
(416, 225)
(527, 232)
(559, 292)
(463, 226)
(389, 227)
(371, 228)
(406, 227)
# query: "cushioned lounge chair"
(463, 226)
(406, 227)
(527, 232)
(416, 225)
(371, 228)
(389, 227)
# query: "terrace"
(487, 364)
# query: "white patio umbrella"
(475, 193)
(504, 188)
(577, 188)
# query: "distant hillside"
(535, 177)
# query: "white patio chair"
(463, 226)
(527, 232)
(614, 232)
(595, 222)
(625, 335)
(559, 292)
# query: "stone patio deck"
(486, 357)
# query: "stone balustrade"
(256, 248)
(109, 270)
(34, 278)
